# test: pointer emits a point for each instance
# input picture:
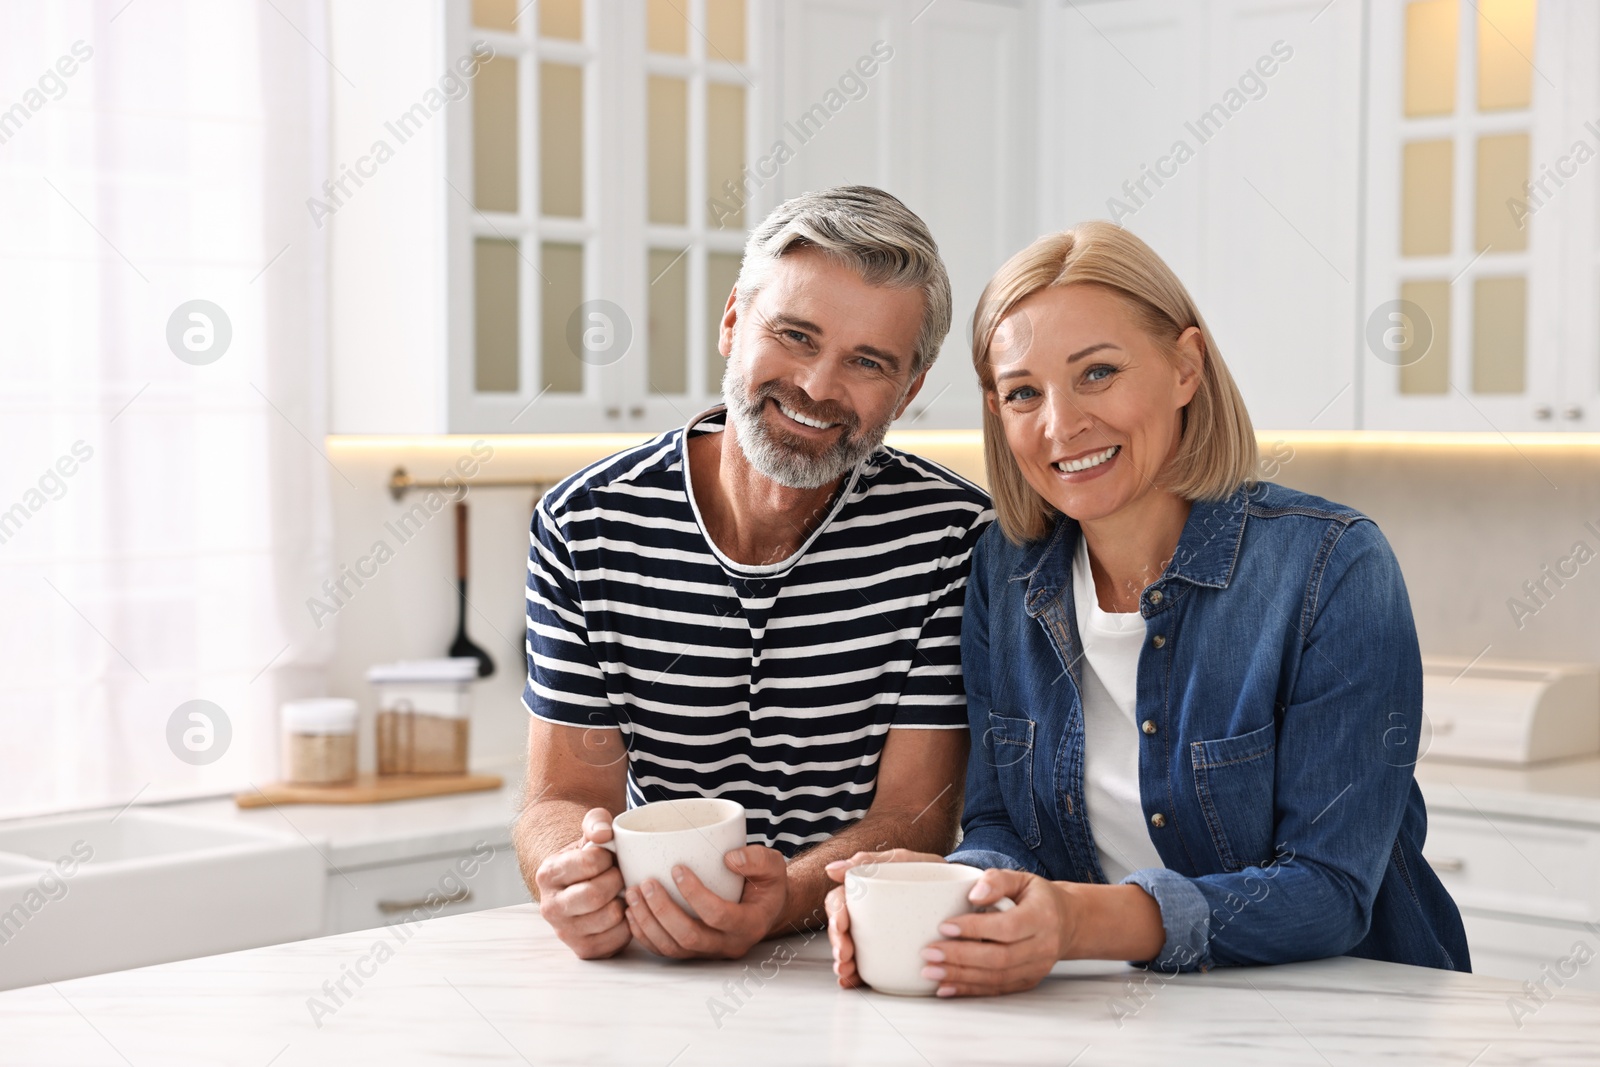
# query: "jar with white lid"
(423, 720)
(319, 741)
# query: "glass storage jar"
(319, 741)
(423, 724)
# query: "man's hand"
(844, 948)
(578, 891)
(1005, 951)
(723, 930)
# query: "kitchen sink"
(82, 894)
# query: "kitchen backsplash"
(1499, 543)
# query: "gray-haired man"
(762, 605)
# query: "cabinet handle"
(613, 413)
(396, 907)
(1447, 864)
(636, 412)
(1543, 411)
(1574, 412)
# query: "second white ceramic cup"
(695, 832)
(895, 911)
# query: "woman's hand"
(1000, 952)
(844, 949)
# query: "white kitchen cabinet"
(1527, 951)
(362, 898)
(932, 102)
(1260, 147)
(1528, 888)
(1497, 330)
(1227, 135)
(945, 123)
(1498, 864)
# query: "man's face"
(819, 365)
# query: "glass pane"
(725, 30)
(561, 139)
(1427, 374)
(562, 286)
(1505, 52)
(561, 18)
(722, 271)
(669, 320)
(1432, 27)
(669, 149)
(495, 14)
(495, 317)
(725, 156)
(1502, 170)
(1499, 335)
(1427, 183)
(667, 27)
(494, 136)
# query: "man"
(763, 605)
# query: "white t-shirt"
(1111, 643)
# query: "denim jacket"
(1279, 704)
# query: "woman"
(1194, 697)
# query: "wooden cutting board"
(369, 789)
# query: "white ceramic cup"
(895, 911)
(695, 832)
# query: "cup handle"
(1003, 904)
(609, 846)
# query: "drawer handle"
(1447, 865)
(395, 907)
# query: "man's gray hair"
(869, 231)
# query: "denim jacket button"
(1158, 641)
(1158, 820)
(1155, 596)
(1148, 726)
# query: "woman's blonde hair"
(1217, 445)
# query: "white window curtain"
(162, 519)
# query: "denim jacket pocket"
(1233, 777)
(1012, 743)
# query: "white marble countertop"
(496, 987)
(361, 835)
(1563, 790)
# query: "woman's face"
(1090, 403)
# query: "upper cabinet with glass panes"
(1470, 323)
(698, 87)
(598, 210)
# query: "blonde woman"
(1194, 696)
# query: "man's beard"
(789, 459)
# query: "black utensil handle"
(461, 542)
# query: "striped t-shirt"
(773, 685)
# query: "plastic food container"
(423, 715)
(319, 741)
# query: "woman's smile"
(1086, 465)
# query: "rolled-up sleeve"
(1185, 916)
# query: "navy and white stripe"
(774, 685)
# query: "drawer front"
(1517, 866)
(1562, 957)
(368, 897)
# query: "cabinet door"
(1576, 164)
(1540, 871)
(369, 897)
(1226, 135)
(1530, 952)
(1281, 169)
(944, 123)
(534, 342)
(1465, 311)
